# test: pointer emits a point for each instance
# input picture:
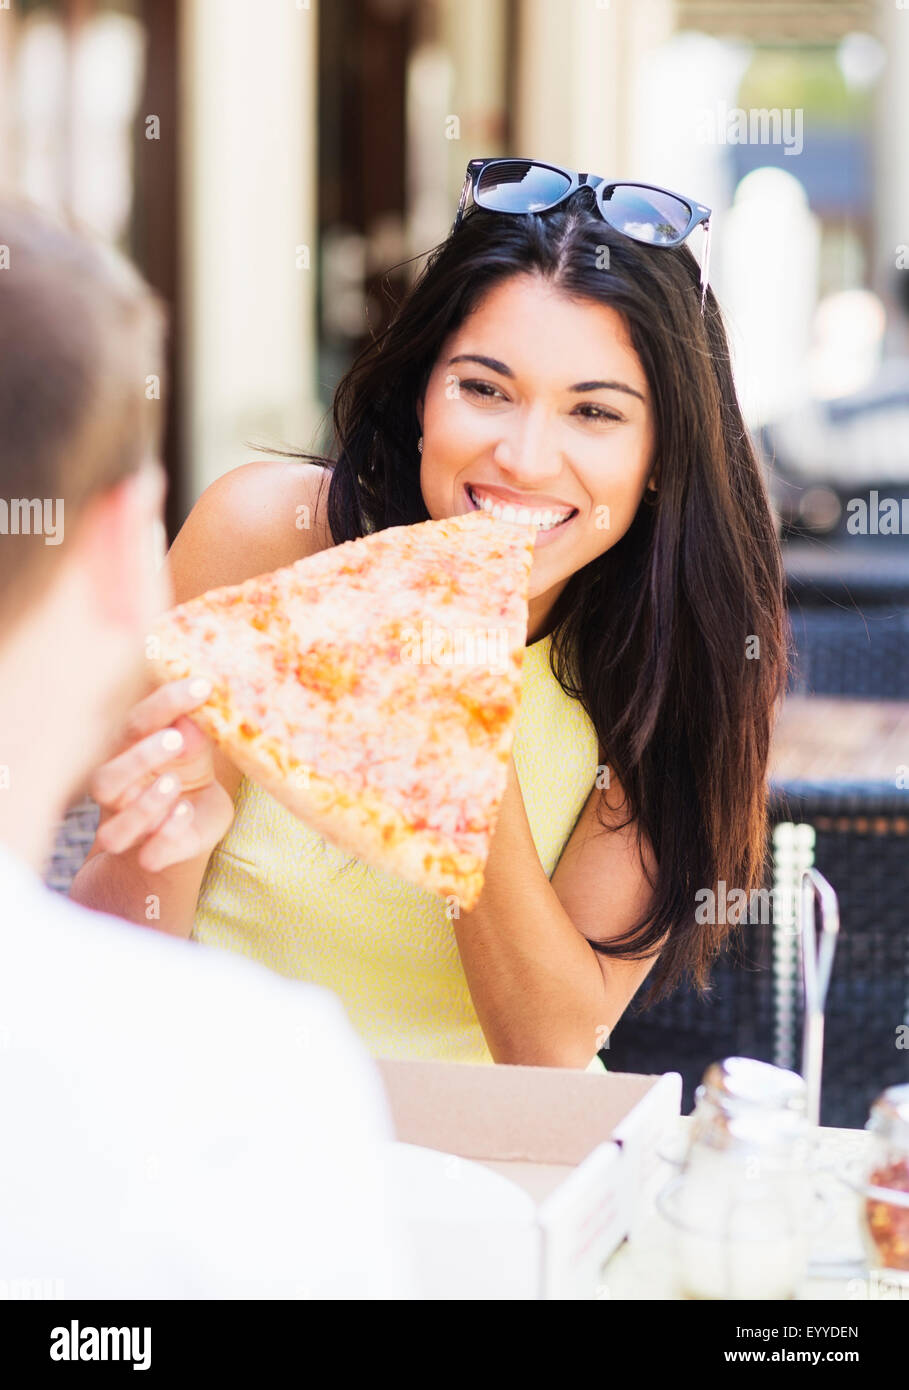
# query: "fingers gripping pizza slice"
(373, 689)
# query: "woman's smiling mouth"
(548, 519)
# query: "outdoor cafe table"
(839, 739)
(641, 1267)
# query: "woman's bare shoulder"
(249, 521)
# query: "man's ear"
(117, 537)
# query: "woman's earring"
(420, 444)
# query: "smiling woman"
(592, 381)
(556, 372)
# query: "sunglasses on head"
(640, 211)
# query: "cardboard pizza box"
(519, 1182)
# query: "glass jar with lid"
(741, 1086)
(739, 1208)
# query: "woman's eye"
(595, 412)
(484, 389)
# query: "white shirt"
(178, 1122)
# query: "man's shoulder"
(198, 1122)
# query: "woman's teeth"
(502, 511)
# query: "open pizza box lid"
(519, 1182)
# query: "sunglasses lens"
(646, 214)
(517, 185)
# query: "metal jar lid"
(741, 1084)
(890, 1116)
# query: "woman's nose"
(531, 457)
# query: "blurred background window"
(408, 91)
(78, 79)
(276, 169)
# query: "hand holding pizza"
(159, 795)
(372, 689)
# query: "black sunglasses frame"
(599, 186)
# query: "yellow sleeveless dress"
(275, 891)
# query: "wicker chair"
(861, 845)
(72, 842)
(847, 575)
(849, 611)
(858, 838)
(841, 651)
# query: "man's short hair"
(81, 365)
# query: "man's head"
(81, 348)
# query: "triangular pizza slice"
(373, 689)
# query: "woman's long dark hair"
(673, 640)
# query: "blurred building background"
(273, 165)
